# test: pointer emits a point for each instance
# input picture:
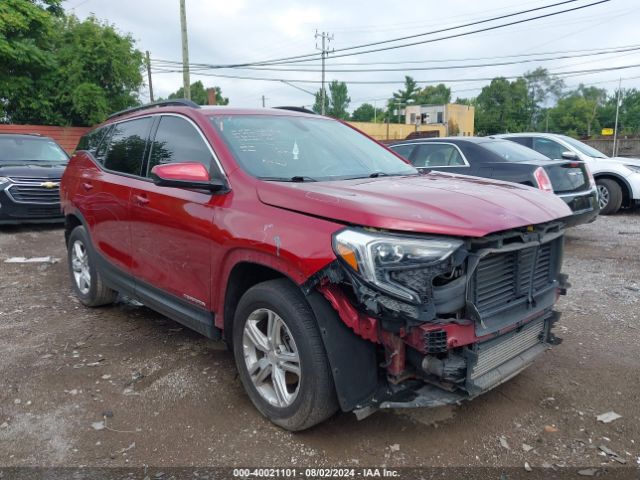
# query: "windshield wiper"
(295, 178)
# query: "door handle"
(87, 186)
(141, 200)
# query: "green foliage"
(62, 71)
(434, 95)
(577, 113)
(503, 106)
(402, 97)
(367, 113)
(199, 94)
(542, 88)
(336, 102)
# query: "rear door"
(106, 191)
(441, 156)
(172, 227)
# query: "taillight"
(544, 183)
(592, 181)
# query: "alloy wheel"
(80, 267)
(271, 357)
(603, 196)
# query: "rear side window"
(403, 150)
(178, 141)
(526, 141)
(127, 146)
(548, 148)
(432, 155)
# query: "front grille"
(505, 277)
(34, 193)
(33, 179)
(493, 353)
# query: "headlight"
(633, 168)
(375, 256)
(3, 180)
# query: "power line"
(394, 82)
(447, 67)
(314, 56)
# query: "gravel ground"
(124, 386)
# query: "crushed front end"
(452, 317)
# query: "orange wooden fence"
(67, 137)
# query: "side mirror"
(570, 155)
(186, 175)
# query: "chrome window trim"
(172, 114)
(466, 162)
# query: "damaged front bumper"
(486, 364)
(475, 327)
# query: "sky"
(241, 31)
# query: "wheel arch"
(241, 277)
(624, 185)
(71, 221)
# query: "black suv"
(31, 167)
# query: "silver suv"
(618, 178)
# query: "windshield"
(25, 149)
(583, 148)
(293, 148)
(512, 152)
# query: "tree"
(577, 112)
(403, 97)
(502, 106)
(99, 70)
(336, 102)
(434, 95)
(60, 70)
(367, 113)
(543, 88)
(26, 27)
(199, 94)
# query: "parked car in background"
(339, 275)
(31, 167)
(618, 179)
(502, 160)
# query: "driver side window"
(548, 148)
(432, 155)
(178, 141)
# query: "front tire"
(85, 278)
(280, 356)
(609, 196)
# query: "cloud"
(295, 21)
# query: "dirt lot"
(172, 398)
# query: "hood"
(34, 169)
(625, 160)
(435, 203)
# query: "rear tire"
(610, 196)
(85, 278)
(276, 336)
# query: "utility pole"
(615, 129)
(263, 99)
(149, 76)
(326, 38)
(185, 51)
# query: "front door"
(171, 227)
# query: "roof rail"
(297, 109)
(177, 102)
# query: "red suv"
(339, 275)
